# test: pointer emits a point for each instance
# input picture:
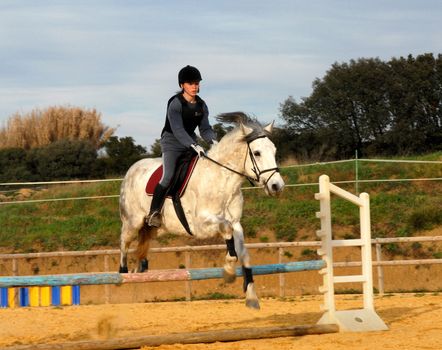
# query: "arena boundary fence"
(378, 263)
(364, 319)
(357, 180)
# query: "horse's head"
(260, 162)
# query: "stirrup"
(153, 219)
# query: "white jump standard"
(365, 319)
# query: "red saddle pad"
(158, 173)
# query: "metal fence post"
(281, 275)
(188, 262)
(380, 269)
(15, 273)
(356, 173)
(106, 286)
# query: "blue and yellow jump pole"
(60, 295)
(39, 296)
(4, 302)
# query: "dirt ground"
(414, 322)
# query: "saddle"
(185, 166)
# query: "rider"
(185, 111)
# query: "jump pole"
(365, 319)
(222, 335)
(151, 275)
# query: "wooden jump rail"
(152, 275)
(223, 335)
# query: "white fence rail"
(378, 262)
(357, 180)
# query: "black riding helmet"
(188, 74)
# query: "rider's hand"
(198, 149)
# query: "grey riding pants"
(170, 159)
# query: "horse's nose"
(275, 187)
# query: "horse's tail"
(145, 234)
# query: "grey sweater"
(179, 140)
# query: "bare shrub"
(42, 127)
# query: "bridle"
(255, 169)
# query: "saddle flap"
(181, 178)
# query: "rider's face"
(191, 88)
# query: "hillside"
(398, 209)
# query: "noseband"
(255, 169)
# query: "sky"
(122, 57)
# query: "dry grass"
(42, 127)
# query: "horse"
(212, 201)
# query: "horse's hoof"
(253, 304)
(228, 277)
(144, 265)
(251, 297)
(123, 269)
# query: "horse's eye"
(257, 153)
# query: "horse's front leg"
(236, 250)
(227, 231)
(243, 255)
(212, 223)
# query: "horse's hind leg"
(145, 234)
(125, 240)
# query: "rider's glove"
(198, 149)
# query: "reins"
(230, 169)
(255, 168)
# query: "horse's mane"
(238, 118)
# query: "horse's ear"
(245, 129)
(269, 127)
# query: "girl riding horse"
(185, 111)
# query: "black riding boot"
(154, 216)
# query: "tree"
(13, 165)
(155, 149)
(121, 154)
(415, 95)
(64, 160)
(348, 104)
(370, 106)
